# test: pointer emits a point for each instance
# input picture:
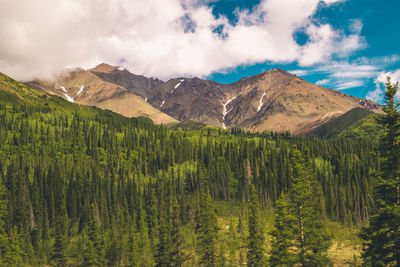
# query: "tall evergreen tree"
(112, 248)
(207, 231)
(90, 255)
(60, 245)
(312, 241)
(282, 248)
(256, 241)
(178, 256)
(143, 254)
(133, 250)
(10, 252)
(164, 246)
(382, 236)
(93, 250)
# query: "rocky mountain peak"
(104, 68)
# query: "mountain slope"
(191, 99)
(85, 87)
(137, 84)
(344, 123)
(274, 100)
(366, 128)
(15, 93)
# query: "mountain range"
(92, 87)
(274, 100)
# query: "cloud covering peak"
(162, 38)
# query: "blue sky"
(358, 73)
(348, 45)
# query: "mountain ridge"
(87, 88)
(274, 100)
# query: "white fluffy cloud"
(323, 82)
(161, 38)
(342, 75)
(378, 94)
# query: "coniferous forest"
(93, 188)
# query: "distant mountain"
(88, 87)
(274, 100)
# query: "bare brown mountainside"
(87, 88)
(274, 100)
(137, 84)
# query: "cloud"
(384, 60)
(323, 82)
(349, 84)
(326, 42)
(342, 75)
(376, 95)
(380, 81)
(344, 69)
(162, 38)
(345, 73)
(300, 72)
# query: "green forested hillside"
(85, 187)
(356, 123)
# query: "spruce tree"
(164, 246)
(10, 252)
(93, 250)
(382, 236)
(112, 248)
(312, 240)
(256, 241)
(133, 257)
(60, 245)
(282, 253)
(143, 254)
(90, 255)
(207, 231)
(178, 256)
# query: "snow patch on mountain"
(225, 111)
(70, 99)
(80, 90)
(63, 88)
(176, 86)
(261, 102)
